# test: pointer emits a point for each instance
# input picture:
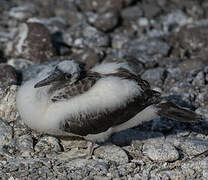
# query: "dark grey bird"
(69, 101)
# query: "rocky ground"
(165, 41)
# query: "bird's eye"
(67, 76)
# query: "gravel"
(164, 41)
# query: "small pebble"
(47, 144)
(112, 153)
(160, 150)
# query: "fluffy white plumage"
(39, 113)
(110, 67)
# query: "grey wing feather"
(75, 89)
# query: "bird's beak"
(55, 76)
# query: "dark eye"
(67, 76)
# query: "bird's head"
(65, 71)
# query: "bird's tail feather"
(174, 112)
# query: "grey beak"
(50, 79)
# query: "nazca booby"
(69, 101)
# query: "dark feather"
(172, 111)
(71, 90)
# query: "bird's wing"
(97, 122)
(67, 91)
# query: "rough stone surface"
(151, 47)
(155, 76)
(47, 144)
(8, 76)
(8, 109)
(6, 132)
(25, 144)
(104, 21)
(88, 56)
(84, 35)
(32, 42)
(113, 153)
(23, 12)
(160, 150)
(190, 146)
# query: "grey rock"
(128, 2)
(112, 153)
(205, 173)
(155, 76)
(104, 21)
(25, 144)
(190, 146)
(125, 169)
(84, 35)
(174, 20)
(192, 40)
(169, 62)
(190, 65)
(8, 76)
(53, 24)
(199, 80)
(30, 163)
(114, 54)
(172, 174)
(160, 150)
(132, 13)
(8, 109)
(23, 12)
(84, 167)
(47, 144)
(197, 165)
(33, 42)
(148, 61)
(64, 9)
(203, 111)
(5, 152)
(118, 40)
(88, 56)
(99, 5)
(153, 47)
(68, 11)
(151, 10)
(101, 178)
(5, 132)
